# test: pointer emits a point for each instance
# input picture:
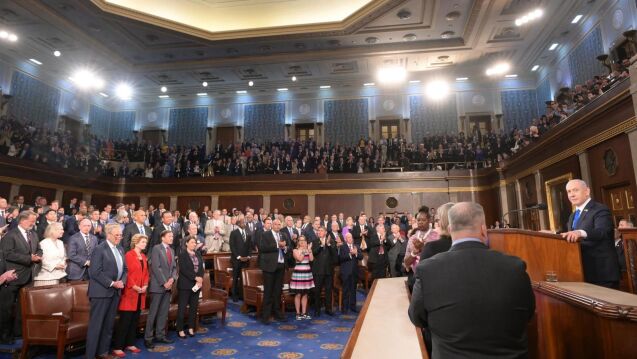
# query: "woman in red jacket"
(133, 297)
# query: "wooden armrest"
(62, 318)
(82, 309)
(219, 294)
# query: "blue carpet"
(245, 337)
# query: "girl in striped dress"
(302, 281)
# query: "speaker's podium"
(573, 319)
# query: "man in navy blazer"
(591, 224)
(72, 225)
(80, 246)
(107, 274)
(348, 256)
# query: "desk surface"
(384, 319)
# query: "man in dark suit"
(163, 275)
(291, 234)
(311, 232)
(80, 247)
(97, 227)
(335, 233)
(325, 256)
(273, 251)
(22, 253)
(107, 275)
(138, 226)
(378, 248)
(362, 231)
(619, 245)
(167, 224)
(240, 248)
(71, 225)
(4, 207)
(348, 256)
(461, 292)
(591, 224)
(50, 216)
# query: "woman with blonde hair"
(53, 268)
(302, 281)
(444, 242)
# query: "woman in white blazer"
(53, 267)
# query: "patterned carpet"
(244, 337)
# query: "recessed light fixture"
(204, 84)
(293, 78)
(437, 89)
(535, 68)
(124, 91)
(35, 61)
(250, 83)
(202, 94)
(391, 74)
(163, 96)
(369, 84)
(511, 76)
(462, 78)
(85, 79)
(499, 69)
(282, 89)
(325, 86)
(163, 89)
(414, 81)
(103, 94)
(57, 53)
(242, 91)
(553, 46)
(13, 37)
(576, 19)
(533, 15)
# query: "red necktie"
(169, 256)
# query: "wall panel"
(195, 203)
(156, 200)
(5, 190)
(240, 202)
(601, 178)
(68, 195)
(298, 204)
(349, 204)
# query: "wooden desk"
(384, 319)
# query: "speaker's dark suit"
(323, 272)
(377, 258)
(130, 230)
(17, 255)
(357, 233)
(103, 297)
(476, 303)
(273, 272)
(599, 258)
(349, 274)
(239, 247)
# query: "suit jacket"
(397, 248)
(285, 231)
(155, 237)
(599, 257)
(310, 235)
(357, 230)
(432, 248)
(103, 271)
(100, 236)
(373, 248)
(324, 257)
(187, 271)
(269, 252)
(619, 248)
(138, 275)
(17, 255)
(239, 247)
(160, 270)
(70, 228)
(461, 292)
(130, 230)
(349, 264)
(78, 254)
(338, 234)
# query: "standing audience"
(189, 284)
(302, 282)
(53, 268)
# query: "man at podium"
(591, 224)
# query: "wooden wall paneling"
(512, 203)
(101, 200)
(490, 201)
(68, 195)
(564, 167)
(30, 192)
(195, 203)
(5, 190)
(528, 191)
(402, 202)
(292, 204)
(156, 200)
(131, 199)
(241, 202)
(349, 204)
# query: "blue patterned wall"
(33, 101)
(582, 60)
(187, 126)
(518, 108)
(265, 122)
(543, 93)
(122, 125)
(346, 121)
(435, 117)
(100, 120)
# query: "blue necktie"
(575, 219)
(118, 259)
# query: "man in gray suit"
(397, 250)
(163, 275)
(80, 246)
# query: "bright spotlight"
(437, 89)
(391, 75)
(498, 69)
(85, 79)
(13, 37)
(57, 53)
(250, 83)
(293, 78)
(4, 34)
(163, 89)
(124, 91)
(204, 84)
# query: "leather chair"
(223, 273)
(54, 315)
(253, 289)
(214, 300)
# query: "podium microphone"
(539, 206)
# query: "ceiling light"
(553, 46)
(163, 89)
(4, 34)
(511, 76)
(57, 53)
(282, 89)
(535, 68)
(85, 79)
(462, 78)
(414, 81)
(13, 37)
(250, 83)
(498, 69)
(325, 86)
(103, 94)
(293, 78)
(576, 19)
(163, 96)
(35, 61)
(242, 91)
(533, 15)
(124, 91)
(204, 84)
(391, 74)
(437, 89)
(369, 84)
(202, 94)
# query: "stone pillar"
(266, 202)
(143, 201)
(367, 205)
(585, 167)
(173, 203)
(504, 199)
(538, 190)
(59, 193)
(14, 191)
(461, 123)
(214, 202)
(311, 205)
(518, 191)
(211, 139)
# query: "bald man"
(591, 224)
(138, 226)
